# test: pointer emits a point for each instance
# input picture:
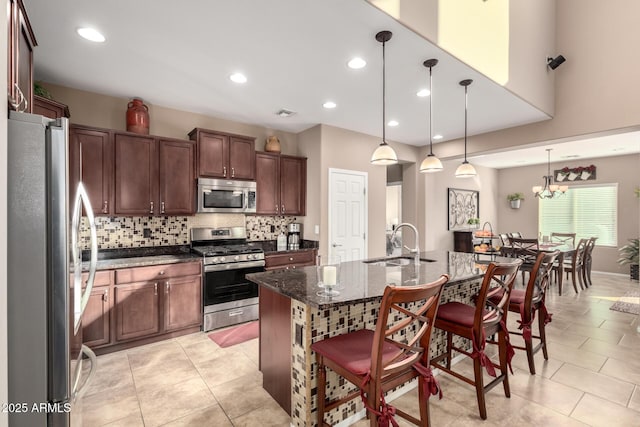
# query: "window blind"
(588, 211)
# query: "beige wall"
(622, 170)
(3, 225)
(105, 111)
(437, 185)
(531, 39)
(309, 146)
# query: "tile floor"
(592, 378)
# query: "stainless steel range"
(228, 297)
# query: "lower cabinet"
(290, 259)
(96, 319)
(136, 304)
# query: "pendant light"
(430, 163)
(550, 189)
(384, 154)
(466, 169)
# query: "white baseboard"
(608, 273)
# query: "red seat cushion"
(456, 312)
(517, 296)
(352, 351)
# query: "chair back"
(525, 249)
(564, 238)
(497, 283)
(402, 309)
(540, 278)
(504, 238)
(515, 234)
(578, 257)
(588, 249)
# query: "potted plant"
(473, 222)
(515, 199)
(629, 255)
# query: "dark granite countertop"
(361, 282)
(270, 246)
(109, 259)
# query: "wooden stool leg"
(543, 336)
(449, 345)
(423, 402)
(479, 383)
(528, 344)
(504, 365)
(322, 383)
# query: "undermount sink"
(395, 261)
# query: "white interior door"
(348, 214)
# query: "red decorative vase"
(138, 117)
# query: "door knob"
(335, 245)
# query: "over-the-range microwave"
(225, 196)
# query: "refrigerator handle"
(78, 389)
(81, 300)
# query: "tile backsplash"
(133, 232)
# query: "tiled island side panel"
(319, 324)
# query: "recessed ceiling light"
(329, 104)
(423, 92)
(618, 149)
(238, 78)
(91, 34)
(437, 136)
(357, 63)
(570, 156)
(393, 123)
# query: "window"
(588, 211)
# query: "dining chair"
(475, 323)
(588, 261)
(527, 250)
(574, 265)
(530, 300)
(377, 361)
(564, 238)
(504, 238)
(515, 234)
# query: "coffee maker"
(294, 236)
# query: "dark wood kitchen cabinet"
(290, 259)
(91, 160)
(153, 176)
(96, 319)
(157, 300)
(223, 155)
(49, 108)
(137, 310)
(20, 44)
(281, 184)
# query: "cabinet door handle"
(283, 209)
(161, 207)
(233, 172)
(224, 171)
(105, 296)
(167, 288)
(277, 209)
(161, 273)
(150, 207)
(290, 258)
(22, 98)
(155, 288)
(105, 206)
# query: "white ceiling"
(294, 53)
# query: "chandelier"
(549, 190)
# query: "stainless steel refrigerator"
(46, 297)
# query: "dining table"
(566, 252)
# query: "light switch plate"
(316, 229)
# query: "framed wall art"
(463, 205)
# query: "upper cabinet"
(281, 184)
(91, 161)
(20, 44)
(49, 108)
(222, 155)
(153, 176)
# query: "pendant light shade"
(430, 163)
(384, 154)
(466, 169)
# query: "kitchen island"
(294, 314)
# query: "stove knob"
(221, 259)
(250, 256)
(236, 258)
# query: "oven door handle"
(234, 266)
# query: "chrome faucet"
(415, 251)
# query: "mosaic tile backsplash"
(134, 232)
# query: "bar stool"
(527, 301)
(475, 324)
(377, 361)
